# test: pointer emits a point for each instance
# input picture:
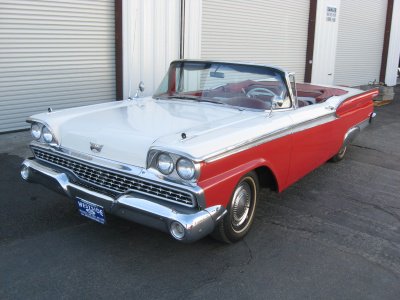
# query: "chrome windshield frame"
(284, 75)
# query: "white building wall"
(394, 46)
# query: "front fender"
(219, 188)
(218, 178)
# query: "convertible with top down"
(191, 159)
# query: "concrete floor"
(333, 235)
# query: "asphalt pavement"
(335, 234)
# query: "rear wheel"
(241, 209)
(340, 155)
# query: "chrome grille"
(112, 181)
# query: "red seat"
(249, 103)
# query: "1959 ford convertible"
(191, 159)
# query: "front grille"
(113, 182)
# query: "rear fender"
(356, 103)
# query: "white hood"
(127, 129)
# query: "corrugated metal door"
(360, 41)
(55, 54)
(272, 32)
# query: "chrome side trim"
(248, 144)
(245, 145)
(316, 121)
(270, 137)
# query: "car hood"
(127, 129)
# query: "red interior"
(236, 93)
(319, 93)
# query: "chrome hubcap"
(241, 204)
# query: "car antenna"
(131, 48)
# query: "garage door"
(55, 54)
(360, 41)
(271, 32)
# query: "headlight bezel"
(152, 162)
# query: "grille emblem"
(96, 148)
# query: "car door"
(313, 138)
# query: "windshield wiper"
(195, 98)
(189, 97)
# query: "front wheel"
(241, 209)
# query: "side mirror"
(139, 90)
(276, 103)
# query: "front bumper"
(135, 207)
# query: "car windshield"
(240, 85)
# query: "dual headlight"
(41, 133)
(171, 164)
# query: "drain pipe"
(182, 33)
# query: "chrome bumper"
(135, 207)
(372, 117)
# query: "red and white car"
(191, 159)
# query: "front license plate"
(91, 210)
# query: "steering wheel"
(260, 91)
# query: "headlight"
(185, 168)
(165, 164)
(36, 130)
(47, 135)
